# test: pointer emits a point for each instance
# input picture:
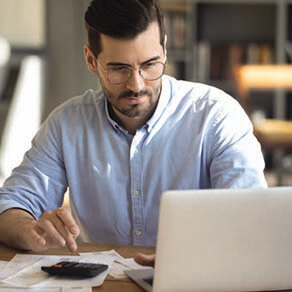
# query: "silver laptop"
(222, 240)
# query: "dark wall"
(66, 71)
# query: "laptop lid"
(224, 240)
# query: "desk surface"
(110, 284)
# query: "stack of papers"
(119, 264)
(24, 272)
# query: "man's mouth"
(131, 97)
(136, 100)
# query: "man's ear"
(165, 43)
(90, 60)
(165, 40)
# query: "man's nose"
(136, 82)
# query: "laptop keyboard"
(148, 281)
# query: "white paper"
(2, 265)
(68, 289)
(21, 274)
(18, 263)
(120, 264)
(109, 253)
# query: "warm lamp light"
(273, 133)
(265, 76)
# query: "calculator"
(75, 269)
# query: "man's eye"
(152, 64)
(149, 66)
(119, 69)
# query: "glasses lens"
(152, 71)
(149, 71)
(118, 74)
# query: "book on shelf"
(175, 69)
(252, 53)
(204, 61)
(216, 61)
(219, 60)
(265, 54)
(168, 29)
(289, 50)
(179, 31)
(175, 25)
(236, 55)
(171, 69)
(259, 54)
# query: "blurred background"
(225, 43)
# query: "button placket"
(136, 187)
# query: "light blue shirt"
(199, 137)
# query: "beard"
(134, 110)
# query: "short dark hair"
(122, 19)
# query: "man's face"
(136, 97)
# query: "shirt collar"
(114, 124)
(163, 101)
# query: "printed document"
(25, 271)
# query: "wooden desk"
(110, 284)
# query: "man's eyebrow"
(128, 65)
(151, 60)
(117, 64)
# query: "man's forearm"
(12, 227)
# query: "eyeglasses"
(118, 74)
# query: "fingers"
(57, 228)
(71, 230)
(33, 239)
(68, 221)
(54, 229)
(145, 260)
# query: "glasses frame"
(131, 72)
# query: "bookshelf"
(179, 42)
(221, 33)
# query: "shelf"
(228, 85)
(179, 55)
(174, 6)
(236, 22)
(248, 31)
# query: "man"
(118, 149)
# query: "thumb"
(145, 260)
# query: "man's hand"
(54, 229)
(145, 260)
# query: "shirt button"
(138, 233)
(136, 151)
(136, 192)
